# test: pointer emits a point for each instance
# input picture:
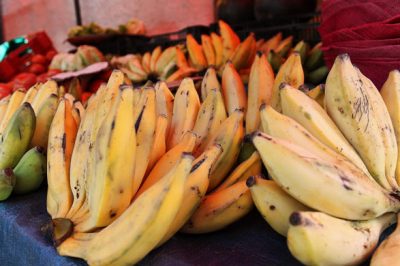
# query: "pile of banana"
(25, 121)
(334, 169)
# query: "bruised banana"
(210, 116)
(142, 226)
(218, 48)
(341, 190)
(249, 167)
(391, 96)
(61, 142)
(196, 54)
(259, 91)
(209, 82)
(274, 204)
(229, 40)
(220, 209)
(233, 89)
(315, 238)
(12, 107)
(313, 117)
(208, 49)
(115, 147)
(243, 52)
(229, 135)
(195, 188)
(186, 107)
(352, 109)
(291, 72)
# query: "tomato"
(24, 80)
(85, 96)
(39, 59)
(5, 90)
(50, 54)
(95, 84)
(42, 78)
(37, 69)
(52, 72)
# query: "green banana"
(318, 75)
(7, 182)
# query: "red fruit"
(50, 54)
(24, 80)
(52, 72)
(95, 84)
(85, 96)
(42, 78)
(39, 59)
(37, 69)
(105, 75)
(5, 90)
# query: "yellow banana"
(233, 89)
(167, 56)
(186, 107)
(317, 94)
(44, 91)
(229, 40)
(76, 245)
(327, 185)
(154, 57)
(272, 43)
(291, 72)
(164, 102)
(209, 82)
(80, 109)
(180, 74)
(218, 48)
(220, 209)
(159, 147)
(249, 167)
(315, 238)
(3, 106)
(259, 91)
(31, 94)
(391, 96)
(135, 233)
(284, 46)
(12, 107)
(274, 204)
(196, 54)
(135, 65)
(181, 61)
(243, 52)
(146, 62)
(210, 116)
(208, 49)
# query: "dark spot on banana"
(295, 219)
(250, 181)
(137, 124)
(64, 142)
(282, 85)
(112, 214)
(197, 165)
(113, 125)
(121, 191)
(272, 207)
(341, 110)
(77, 195)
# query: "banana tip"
(344, 56)
(282, 85)
(40, 149)
(262, 106)
(8, 171)
(259, 53)
(250, 181)
(295, 219)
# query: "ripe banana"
(313, 117)
(7, 182)
(317, 94)
(44, 91)
(186, 107)
(61, 142)
(31, 93)
(229, 40)
(30, 171)
(12, 107)
(220, 209)
(166, 57)
(291, 72)
(164, 101)
(259, 91)
(229, 135)
(250, 167)
(3, 106)
(209, 82)
(159, 147)
(391, 96)
(272, 43)
(341, 190)
(218, 48)
(387, 252)
(210, 116)
(76, 245)
(154, 57)
(233, 89)
(196, 55)
(208, 49)
(242, 53)
(302, 48)
(316, 238)
(195, 188)
(273, 203)
(115, 147)
(142, 226)
(284, 46)
(353, 109)
(146, 62)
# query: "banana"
(75, 88)
(30, 171)
(273, 203)
(132, 76)
(218, 48)
(154, 57)
(391, 96)
(220, 209)
(259, 43)
(387, 252)
(168, 160)
(210, 116)
(275, 60)
(44, 91)
(242, 53)
(284, 46)
(318, 75)
(386, 129)
(209, 82)
(249, 167)
(7, 182)
(167, 56)
(164, 102)
(229, 135)
(15, 139)
(186, 107)
(195, 188)
(313, 118)
(12, 107)
(110, 193)
(315, 58)
(159, 147)
(196, 54)
(135, 65)
(181, 61)
(76, 245)
(251, 57)
(79, 108)
(146, 62)
(327, 185)
(259, 91)
(350, 106)
(233, 89)
(229, 40)
(302, 48)
(208, 49)
(272, 43)
(31, 93)
(315, 238)
(291, 72)
(43, 121)
(61, 141)
(317, 94)
(3, 106)
(142, 226)
(180, 74)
